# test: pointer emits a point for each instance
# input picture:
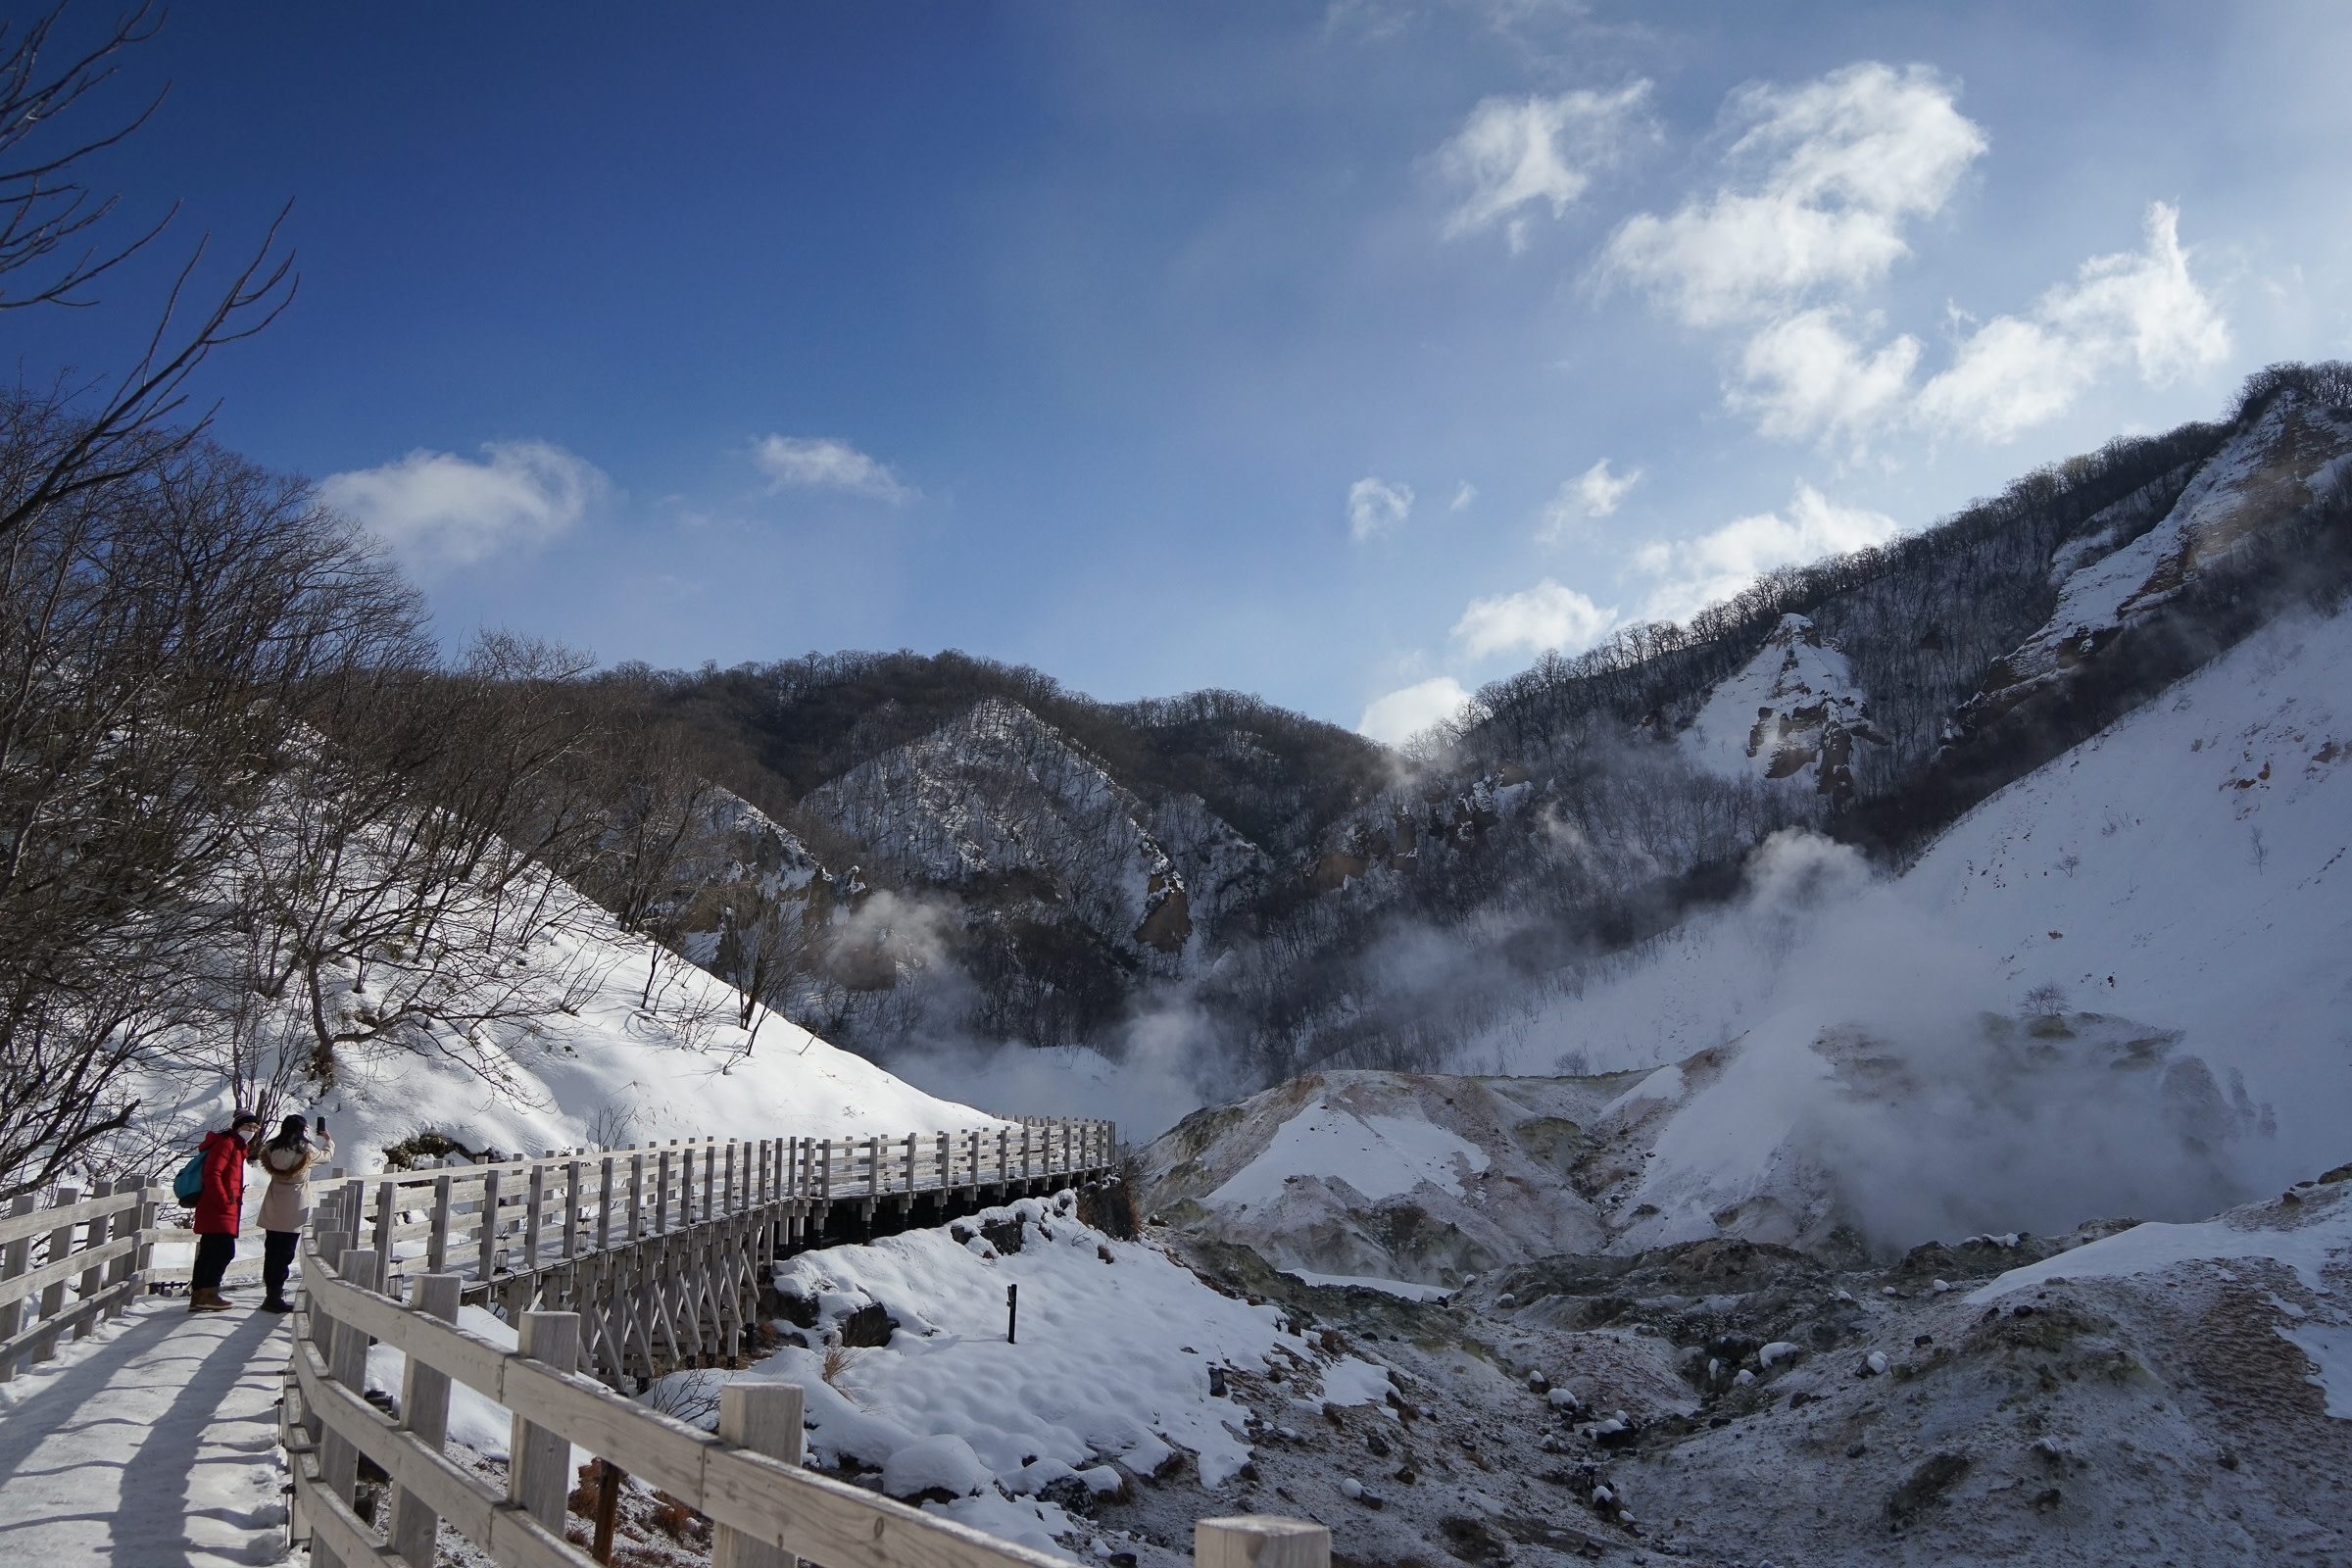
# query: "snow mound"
(943, 1463)
(1379, 1156)
(1350, 1178)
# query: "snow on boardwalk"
(153, 1443)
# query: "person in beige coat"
(286, 1159)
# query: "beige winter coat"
(282, 1208)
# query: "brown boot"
(206, 1299)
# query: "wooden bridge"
(662, 1248)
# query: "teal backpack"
(188, 1185)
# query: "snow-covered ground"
(153, 1442)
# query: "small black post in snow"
(1013, 1311)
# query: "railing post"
(488, 1265)
(709, 1170)
(13, 1263)
(347, 1364)
(766, 1418)
(436, 1245)
(539, 1474)
(387, 1210)
(1259, 1540)
(61, 1246)
(425, 1412)
(571, 1209)
(604, 1203)
(534, 1215)
(144, 1257)
(93, 1237)
(636, 1197)
(829, 1168)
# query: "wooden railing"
(747, 1479)
(523, 1215)
(94, 1250)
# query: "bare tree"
(771, 949)
(404, 866)
(93, 437)
(160, 640)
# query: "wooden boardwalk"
(663, 1249)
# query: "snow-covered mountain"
(2116, 986)
(998, 798)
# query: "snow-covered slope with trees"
(2117, 984)
(648, 1047)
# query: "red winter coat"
(222, 1208)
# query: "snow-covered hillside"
(2116, 576)
(615, 1069)
(2117, 985)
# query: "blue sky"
(1332, 352)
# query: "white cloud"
(1464, 495)
(439, 509)
(1840, 164)
(1825, 180)
(1403, 714)
(1600, 490)
(1804, 376)
(1515, 151)
(824, 464)
(1594, 493)
(1691, 574)
(1546, 615)
(1375, 505)
(2140, 310)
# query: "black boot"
(276, 1303)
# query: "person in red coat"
(219, 1211)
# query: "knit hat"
(242, 1118)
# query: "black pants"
(277, 1260)
(213, 1249)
